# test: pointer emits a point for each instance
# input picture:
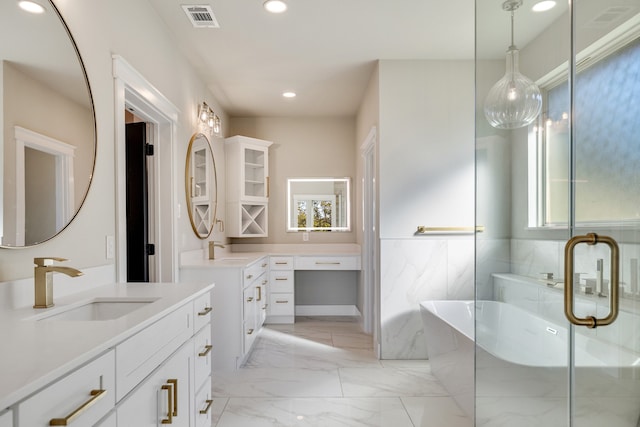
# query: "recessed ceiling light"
(289, 94)
(543, 6)
(31, 7)
(275, 6)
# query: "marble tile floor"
(322, 372)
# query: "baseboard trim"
(327, 310)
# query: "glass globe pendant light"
(515, 100)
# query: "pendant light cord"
(512, 24)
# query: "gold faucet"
(43, 279)
(212, 246)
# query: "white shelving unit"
(247, 161)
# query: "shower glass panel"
(573, 172)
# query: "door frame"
(370, 245)
(134, 92)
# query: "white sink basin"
(96, 309)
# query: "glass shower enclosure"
(557, 316)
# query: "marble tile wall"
(532, 257)
(416, 270)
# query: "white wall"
(426, 164)
(303, 147)
(133, 30)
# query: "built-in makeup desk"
(304, 280)
(272, 284)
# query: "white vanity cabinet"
(254, 283)
(146, 369)
(238, 301)
(281, 307)
(247, 180)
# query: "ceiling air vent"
(201, 16)
(608, 16)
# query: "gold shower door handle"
(591, 321)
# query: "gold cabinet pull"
(281, 278)
(264, 265)
(169, 419)
(268, 186)
(209, 402)
(206, 311)
(249, 299)
(95, 396)
(207, 349)
(282, 262)
(259, 293)
(249, 276)
(591, 321)
(174, 383)
(327, 262)
(250, 332)
(281, 301)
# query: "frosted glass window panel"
(607, 135)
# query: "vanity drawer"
(143, 352)
(91, 386)
(281, 304)
(202, 311)
(204, 405)
(254, 271)
(327, 262)
(281, 263)
(202, 343)
(281, 281)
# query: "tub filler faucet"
(43, 279)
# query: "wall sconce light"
(208, 118)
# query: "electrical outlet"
(110, 250)
(305, 236)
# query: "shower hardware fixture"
(591, 321)
(515, 100)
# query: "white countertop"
(197, 259)
(35, 353)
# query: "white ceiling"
(325, 50)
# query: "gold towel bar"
(446, 230)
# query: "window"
(606, 150)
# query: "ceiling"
(325, 51)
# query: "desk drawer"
(281, 304)
(281, 263)
(327, 262)
(281, 281)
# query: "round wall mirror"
(48, 137)
(201, 186)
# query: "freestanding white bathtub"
(520, 367)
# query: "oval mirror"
(48, 136)
(201, 186)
